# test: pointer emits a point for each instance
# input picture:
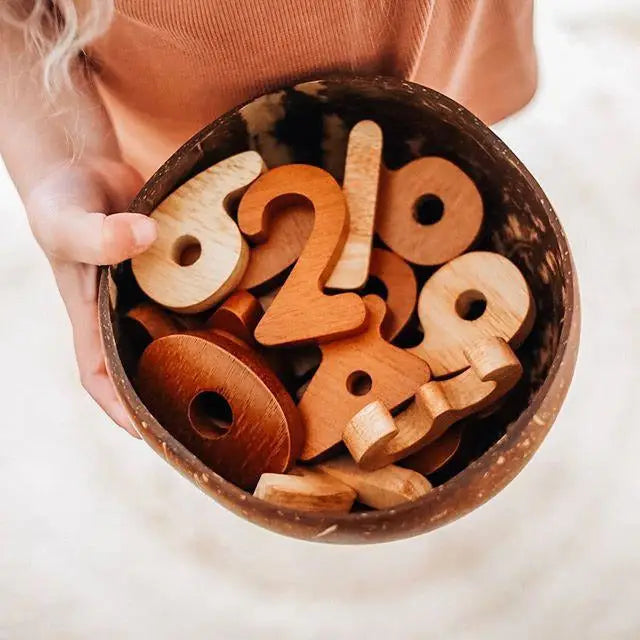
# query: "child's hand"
(67, 216)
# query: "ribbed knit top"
(168, 67)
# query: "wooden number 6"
(301, 312)
(200, 256)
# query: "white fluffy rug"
(99, 538)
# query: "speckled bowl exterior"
(309, 123)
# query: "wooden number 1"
(360, 188)
(301, 312)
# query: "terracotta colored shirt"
(168, 67)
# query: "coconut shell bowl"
(309, 123)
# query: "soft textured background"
(99, 538)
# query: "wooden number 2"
(301, 312)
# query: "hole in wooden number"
(186, 251)
(471, 304)
(428, 209)
(359, 383)
(210, 414)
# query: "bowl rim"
(333, 527)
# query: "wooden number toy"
(301, 312)
(360, 188)
(305, 490)
(353, 373)
(494, 370)
(381, 489)
(368, 432)
(429, 211)
(402, 290)
(289, 231)
(221, 401)
(153, 320)
(434, 456)
(217, 384)
(475, 296)
(199, 256)
(238, 317)
(142, 325)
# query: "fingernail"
(122, 419)
(132, 432)
(144, 231)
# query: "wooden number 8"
(301, 312)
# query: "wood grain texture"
(398, 223)
(360, 188)
(434, 456)
(199, 256)
(264, 432)
(368, 432)
(480, 277)
(305, 490)
(288, 232)
(380, 489)
(238, 316)
(494, 370)
(402, 289)
(328, 404)
(301, 312)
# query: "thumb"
(74, 235)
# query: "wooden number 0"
(301, 312)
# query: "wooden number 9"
(478, 295)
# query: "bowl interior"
(310, 123)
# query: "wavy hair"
(59, 30)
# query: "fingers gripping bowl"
(309, 124)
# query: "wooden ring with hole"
(264, 433)
(398, 223)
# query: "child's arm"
(64, 160)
